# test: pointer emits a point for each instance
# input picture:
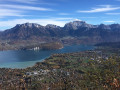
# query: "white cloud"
(62, 19)
(21, 1)
(64, 14)
(8, 12)
(25, 7)
(76, 20)
(18, 10)
(102, 8)
(109, 21)
(112, 13)
(88, 17)
(56, 21)
(27, 2)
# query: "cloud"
(64, 14)
(56, 21)
(112, 13)
(28, 2)
(25, 7)
(109, 21)
(18, 10)
(9, 12)
(62, 19)
(102, 8)
(21, 1)
(88, 17)
(76, 20)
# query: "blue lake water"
(23, 59)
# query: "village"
(65, 71)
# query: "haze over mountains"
(76, 32)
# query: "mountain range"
(76, 32)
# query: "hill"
(76, 32)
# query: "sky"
(58, 12)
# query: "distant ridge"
(74, 23)
(78, 31)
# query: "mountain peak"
(103, 26)
(29, 25)
(51, 26)
(77, 24)
(75, 28)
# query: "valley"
(65, 67)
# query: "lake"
(23, 59)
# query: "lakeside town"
(59, 44)
(94, 69)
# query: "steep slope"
(78, 31)
(77, 25)
(28, 30)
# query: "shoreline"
(27, 64)
(30, 62)
(46, 49)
